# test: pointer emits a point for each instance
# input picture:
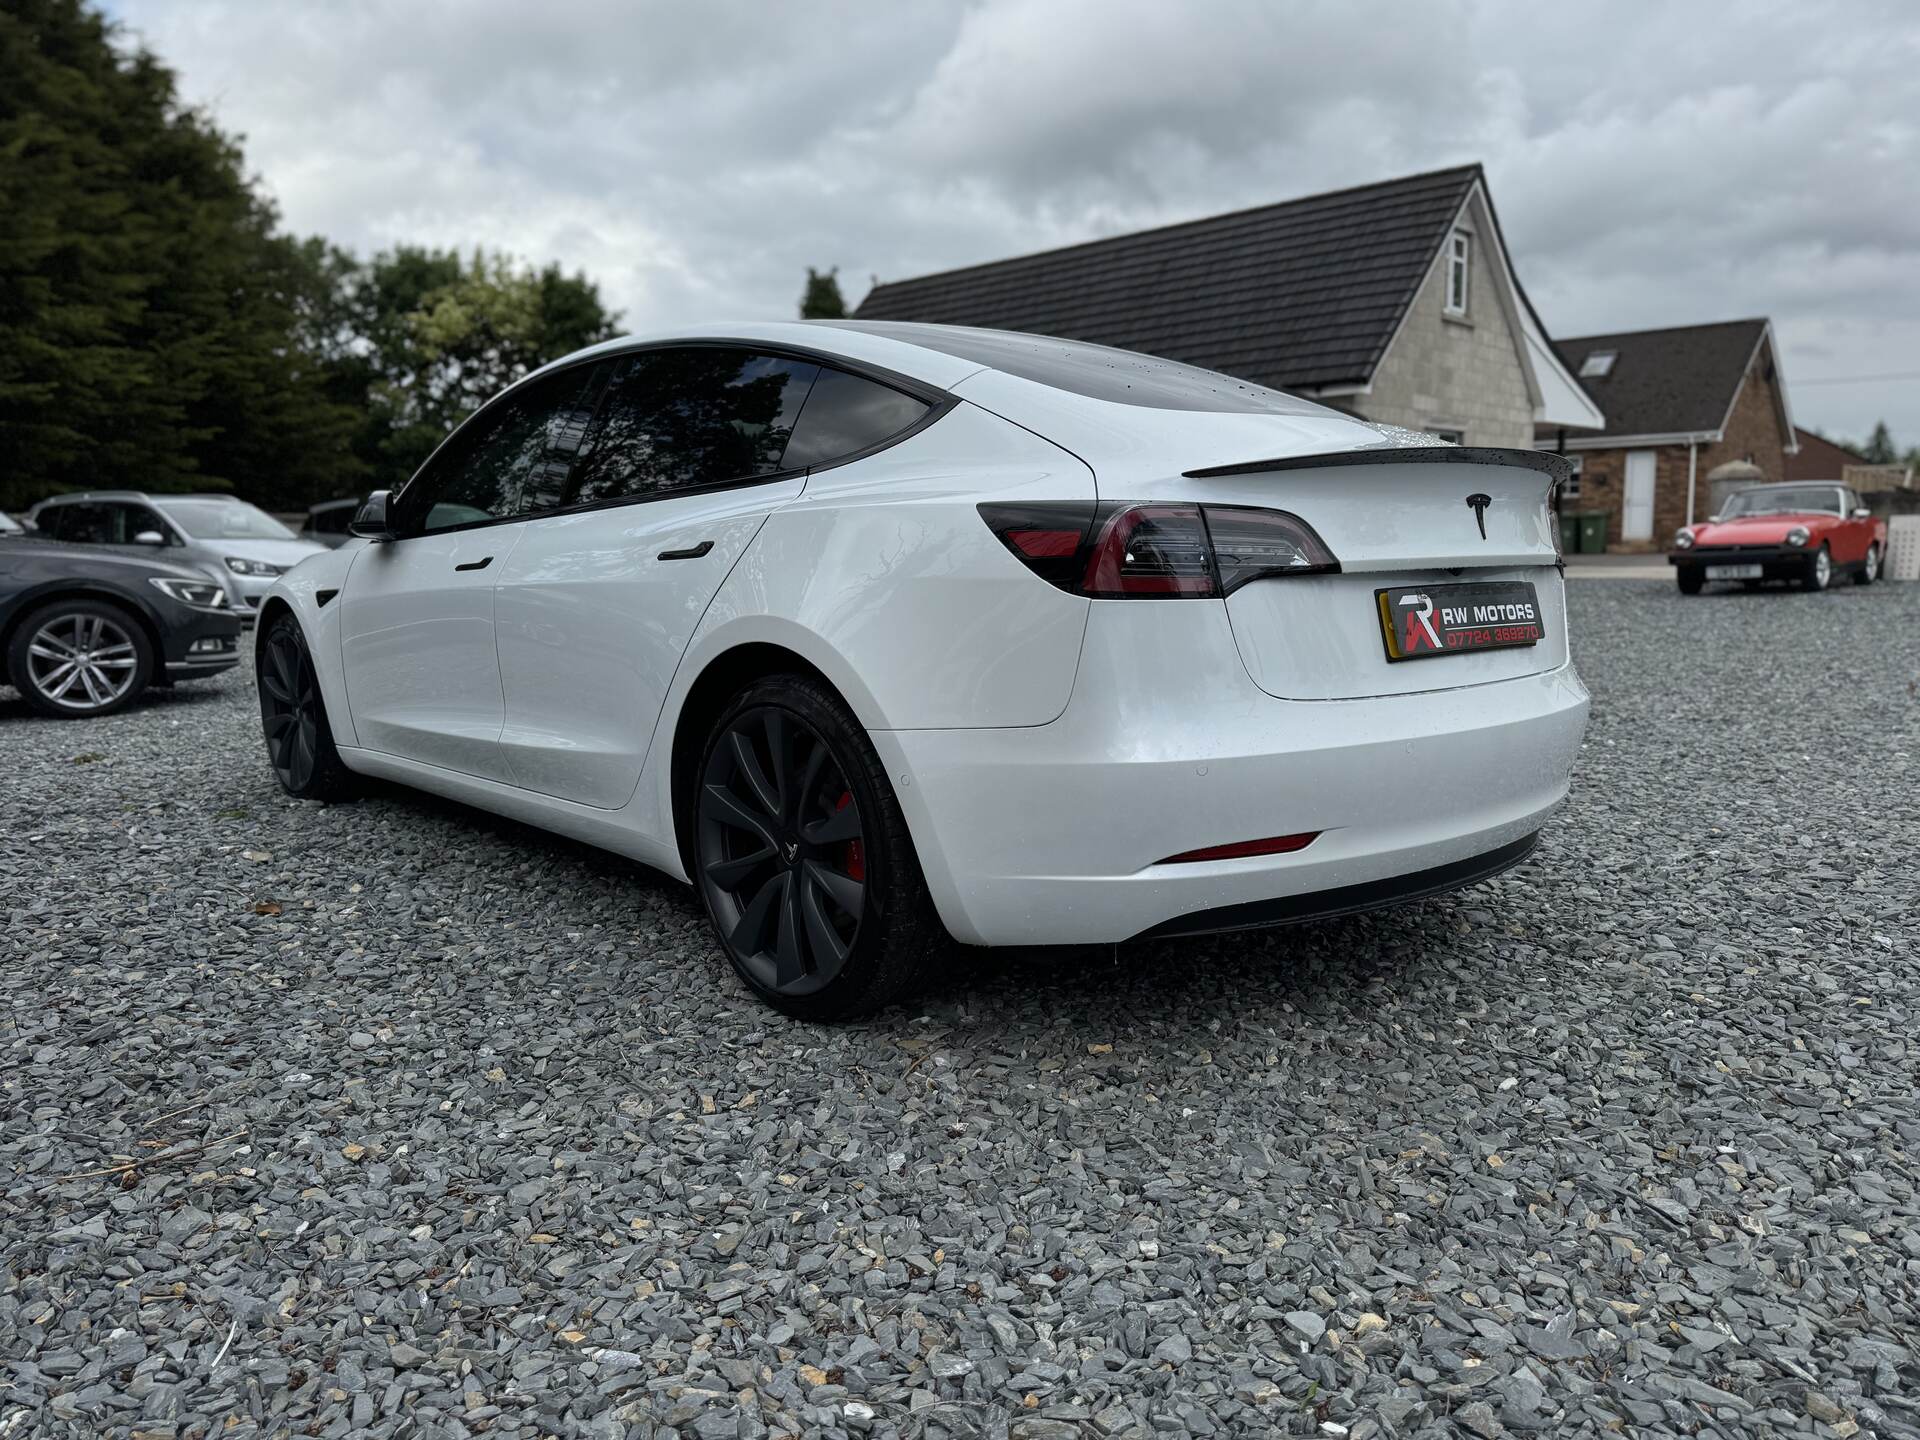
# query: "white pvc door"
(1636, 521)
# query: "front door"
(416, 642)
(417, 623)
(596, 607)
(1636, 519)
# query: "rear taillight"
(1171, 551)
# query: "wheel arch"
(719, 680)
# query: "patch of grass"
(87, 757)
(229, 814)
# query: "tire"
(1869, 570)
(293, 718)
(817, 898)
(1690, 581)
(1819, 570)
(80, 659)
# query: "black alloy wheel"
(294, 716)
(782, 851)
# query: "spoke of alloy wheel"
(842, 825)
(60, 651)
(775, 727)
(790, 957)
(810, 778)
(821, 935)
(64, 667)
(67, 684)
(730, 875)
(96, 692)
(727, 808)
(755, 774)
(276, 690)
(750, 930)
(845, 891)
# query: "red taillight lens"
(1167, 551)
(1240, 850)
(1158, 550)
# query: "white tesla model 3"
(881, 633)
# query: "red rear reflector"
(1274, 845)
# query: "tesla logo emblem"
(792, 850)
(1479, 504)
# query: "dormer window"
(1459, 258)
(1598, 364)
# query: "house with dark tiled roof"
(1396, 302)
(1820, 458)
(1691, 411)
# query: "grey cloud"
(1653, 164)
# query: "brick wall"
(1753, 433)
(1442, 373)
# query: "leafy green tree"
(147, 306)
(1879, 447)
(822, 300)
(441, 336)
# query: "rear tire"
(80, 659)
(802, 857)
(1819, 570)
(1690, 581)
(1869, 570)
(293, 716)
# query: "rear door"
(685, 459)
(417, 621)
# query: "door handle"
(480, 564)
(692, 552)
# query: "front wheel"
(1869, 570)
(293, 716)
(1690, 581)
(1819, 570)
(802, 857)
(78, 659)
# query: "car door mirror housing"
(1861, 512)
(149, 537)
(371, 521)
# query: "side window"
(52, 522)
(85, 524)
(137, 519)
(701, 415)
(513, 460)
(846, 414)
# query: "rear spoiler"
(1545, 461)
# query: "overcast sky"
(1652, 165)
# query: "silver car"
(238, 543)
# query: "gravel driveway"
(394, 1119)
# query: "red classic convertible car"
(1806, 533)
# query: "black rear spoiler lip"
(1544, 461)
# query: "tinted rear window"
(1095, 371)
(846, 414)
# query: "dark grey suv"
(83, 630)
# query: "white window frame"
(1459, 271)
(1570, 488)
(1452, 434)
(1598, 364)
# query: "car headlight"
(201, 594)
(1683, 539)
(241, 566)
(1798, 535)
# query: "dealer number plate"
(1424, 622)
(1733, 572)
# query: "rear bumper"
(1052, 834)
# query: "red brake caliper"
(856, 861)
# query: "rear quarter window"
(846, 415)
